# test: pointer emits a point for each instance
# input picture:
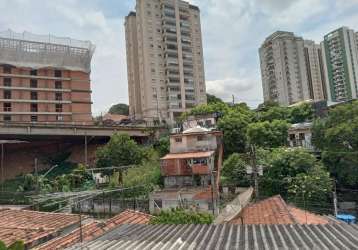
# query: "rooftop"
(190, 155)
(33, 227)
(275, 211)
(95, 229)
(336, 236)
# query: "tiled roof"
(32, 227)
(270, 237)
(274, 210)
(96, 229)
(200, 154)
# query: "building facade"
(44, 79)
(291, 69)
(191, 171)
(315, 71)
(164, 59)
(340, 50)
(283, 68)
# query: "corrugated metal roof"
(335, 236)
(200, 154)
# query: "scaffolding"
(45, 51)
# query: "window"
(59, 108)
(7, 94)
(200, 138)
(34, 107)
(292, 137)
(33, 83)
(7, 107)
(7, 82)
(59, 118)
(33, 72)
(58, 96)
(58, 73)
(158, 203)
(34, 118)
(7, 118)
(58, 85)
(33, 95)
(178, 139)
(301, 136)
(7, 69)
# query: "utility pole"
(254, 170)
(335, 198)
(86, 151)
(233, 100)
(37, 176)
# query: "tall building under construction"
(164, 59)
(44, 79)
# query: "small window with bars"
(34, 118)
(7, 94)
(33, 83)
(34, 95)
(7, 107)
(58, 73)
(7, 69)
(33, 72)
(58, 96)
(7, 118)
(59, 108)
(34, 107)
(58, 85)
(7, 82)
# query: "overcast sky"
(232, 33)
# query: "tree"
(337, 137)
(121, 150)
(274, 113)
(180, 216)
(162, 146)
(283, 165)
(234, 171)
(212, 99)
(302, 113)
(234, 126)
(268, 134)
(312, 188)
(119, 109)
(17, 245)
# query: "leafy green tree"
(17, 245)
(302, 113)
(119, 109)
(337, 137)
(274, 113)
(309, 189)
(234, 171)
(283, 165)
(268, 134)
(265, 106)
(234, 126)
(162, 146)
(212, 99)
(121, 150)
(180, 216)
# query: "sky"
(233, 30)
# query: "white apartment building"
(283, 68)
(340, 50)
(315, 70)
(164, 59)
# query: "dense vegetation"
(17, 245)
(181, 216)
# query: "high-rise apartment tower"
(291, 69)
(340, 50)
(164, 59)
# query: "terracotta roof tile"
(95, 229)
(274, 210)
(32, 227)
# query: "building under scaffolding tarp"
(45, 51)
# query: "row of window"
(33, 83)
(33, 95)
(7, 107)
(33, 118)
(7, 69)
